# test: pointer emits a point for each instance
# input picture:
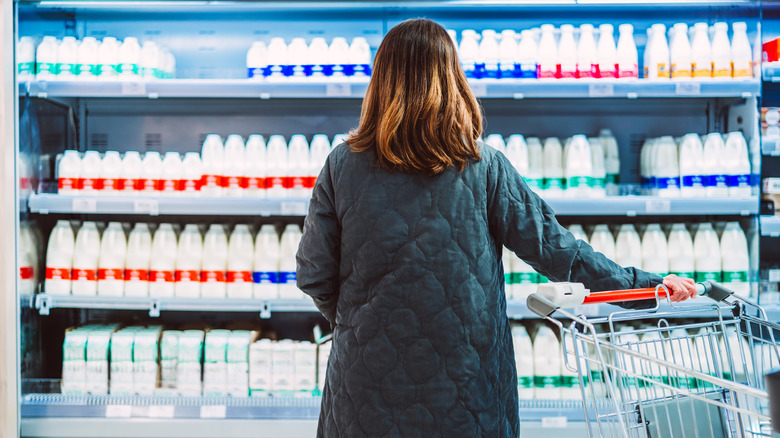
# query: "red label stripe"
(189, 275)
(68, 183)
(57, 273)
(239, 276)
(110, 274)
(26, 272)
(85, 274)
(255, 183)
(136, 274)
(162, 276)
(212, 276)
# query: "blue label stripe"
(693, 181)
(265, 277)
(665, 183)
(287, 278)
(739, 180)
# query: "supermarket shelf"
(45, 302)
(356, 88)
(610, 206)
(770, 226)
(770, 71)
(770, 147)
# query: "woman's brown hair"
(418, 114)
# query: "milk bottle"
(547, 364)
(162, 264)
(599, 172)
(527, 54)
(320, 148)
(85, 259)
(150, 61)
(469, 52)
(188, 262)
(602, 241)
(291, 237)
(110, 169)
(627, 57)
(277, 167)
(266, 264)
(553, 168)
(234, 180)
(655, 251)
(741, 54)
(547, 54)
(318, 56)
(213, 159)
(257, 60)
(628, 247)
(567, 52)
(507, 54)
(680, 52)
(496, 141)
(691, 159)
(338, 55)
(28, 260)
(646, 169)
(524, 279)
(46, 59)
(680, 251)
(214, 264)
(338, 139)
(721, 51)
(171, 175)
(607, 52)
(59, 259)
(714, 166)
(701, 52)
(25, 59)
(535, 176)
(524, 361)
(68, 58)
(69, 173)
(255, 166)
(298, 159)
(666, 168)
(129, 58)
(360, 56)
(657, 65)
(239, 263)
(735, 262)
(611, 161)
(151, 173)
(587, 53)
(130, 173)
(579, 171)
(706, 250)
(517, 153)
(487, 66)
(90, 173)
(191, 175)
(297, 53)
(578, 232)
(139, 252)
(111, 261)
(737, 165)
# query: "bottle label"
(68, 184)
(128, 69)
(735, 276)
(492, 70)
(569, 381)
(508, 278)
(166, 185)
(704, 71)
(526, 70)
(136, 275)
(599, 183)
(92, 183)
(543, 279)
(588, 71)
(607, 71)
(57, 273)
(189, 185)
(186, 275)
(26, 272)
(546, 71)
(67, 69)
(525, 278)
(680, 71)
(568, 71)
(115, 184)
(693, 181)
(108, 69)
(161, 276)
(479, 71)
(662, 70)
(468, 70)
(231, 182)
(45, 67)
(255, 183)
(85, 274)
(239, 276)
(287, 278)
(552, 183)
(259, 277)
(309, 181)
(212, 276)
(579, 181)
(150, 72)
(721, 71)
(274, 70)
(525, 382)
(138, 184)
(506, 70)
(704, 276)
(110, 274)
(613, 178)
(741, 70)
(547, 381)
(275, 182)
(667, 183)
(26, 67)
(211, 181)
(716, 181)
(534, 183)
(628, 70)
(687, 274)
(739, 180)
(88, 69)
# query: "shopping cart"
(673, 378)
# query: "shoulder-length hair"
(418, 114)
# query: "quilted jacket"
(407, 268)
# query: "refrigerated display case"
(210, 93)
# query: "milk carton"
(122, 362)
(98, 343)
(188, 367)
(283, 366)
(169, 359)
(215, 363)
(261, 355)
(59, 259)
(238, 362)
(305, 380)
(74, 361)
(146, 345)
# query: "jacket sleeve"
(319, 252)
(524, 223)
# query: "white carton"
(98, 342)
(74, 361)
(305, 381)
(283, 367)
(323, 353)
(122, 361)
(145, 365)
(215, 363)
(238, 362)
(260, 367)
(189, 370)
(169, 358)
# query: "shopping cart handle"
(713, 290)
(541, 305)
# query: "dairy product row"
(230, 169)
(316, 59)
(90, 59)
(135, 360)
(162, 264)
(697, 166)
(697, 52)
(703, 255)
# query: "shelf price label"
(118, 411)
(213, 411)
(84, 205)
(161, 411)
(338, 90)
(146, 206)
(479, 90)
(601, 90)
(554, 422)
(134, 88)
(658, 206)
(293, 208)
(687, 88)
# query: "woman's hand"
(680, 288)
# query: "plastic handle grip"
(615, 296)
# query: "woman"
(401, 252)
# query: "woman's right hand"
(680, 288)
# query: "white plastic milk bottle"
(714, 166)
(579, 168)
(318, 56)
(85, 259)
(535, 176)
(488, 54)
(256, 166)
(129, 58)
(524, 361)
(213, 158)
(130, 173)
(741, 54)
(680, 53)
(599, 170)
(90, 173)
(277, 169)
(507, 53)
(266, 264)
(291, 237)
(59, 259)
(657, 65)
(469, 52)
(721, 51)
(110, 173)
(46, 59)
(603, 241)
(628, 59)
(214, 264)
(188, 262)
(25, 59)
(691, 160)
(737, 165)
(680, 250)
(171, 174)
(666, 169)
(496, 141)
(547, 364)
(706, 249)
(735, 261)
(108, 58)
(234, 181)
(517, 153)
(655, 251)
(68, 59)
(69, 173)
(607, 52)
(298, 158)
(567, 52)
(139, 252)
(191, 174)
(628, 247)
(611, 160)
(239, 264)
(553, 168)
(150, 61)
(162, 264)
(111, 263)
(320, 148)
(151, 173)
(256, 60)
(587, 53)
(701, 52)
(547, 54)
(527, 54)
